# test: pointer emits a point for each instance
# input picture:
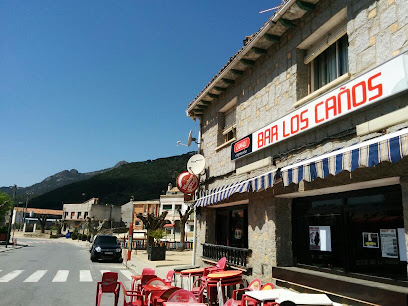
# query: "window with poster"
(232, 226)
(356, 232)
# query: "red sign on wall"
(187, 182)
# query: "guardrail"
(140, 244)
(235, 256)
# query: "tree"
(5, 204)
(183, 221)
(152, 223)
(94, 225)
(43, 220)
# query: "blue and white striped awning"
(391, 147)
(216, 195)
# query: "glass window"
(232, 226)
(356, 222)
(330, 64)
(178, 207)
(167, 207)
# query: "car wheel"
(120, 260)
(93, 259)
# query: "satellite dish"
(196, 164)
(190, 138)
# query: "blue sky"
(85, 84)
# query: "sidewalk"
(173, 259)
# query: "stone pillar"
(404, 191)
(24, 227)
(35, 227)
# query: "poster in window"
(370, 240)
(389, 244)
(320, 238)
(402, 244)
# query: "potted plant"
(3, 233)
(157, 250)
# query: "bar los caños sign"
(367, 89)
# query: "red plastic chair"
(164, 296)
(220, 266)
(272, 304)
(182, 296)
(136, 297)
(156, 281)
(169, 277)
(268, 286)
(248, 301)
(148, 271)
(109, 284)
(253, 286)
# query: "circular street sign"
(187, 182)
(196, 164)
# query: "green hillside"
(144, 180)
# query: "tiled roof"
(40, 211)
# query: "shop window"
(330, 64)
(178, 207)
(353, 233)
(167, 207)
(232, 226)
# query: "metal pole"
(131, 232)
(11, 215)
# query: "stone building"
(305, 136)
(75, 215)
(144, 207)
(172, 201)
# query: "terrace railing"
(235, 256)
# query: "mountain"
(54, 181)
(143, 180)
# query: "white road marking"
(61, 276)
(8, 277)
(127, 273)
(36, 276)
(103, 271)
(85, 276)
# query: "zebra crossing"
(60, 276)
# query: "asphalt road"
(53, 272)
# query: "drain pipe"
(195, 211)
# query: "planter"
(3, 236)
(156, 253)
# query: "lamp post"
(11, 215)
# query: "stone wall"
(404, 191)
(377, 31)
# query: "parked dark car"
(106, 247)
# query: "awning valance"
(216, 195)
(391, 147)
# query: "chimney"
(169, 187)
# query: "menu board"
(320, 238)
(389, 243)
(370, 240)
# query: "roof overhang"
(284, 18)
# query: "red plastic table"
(150, 290)
(225, 279)
(191, 273)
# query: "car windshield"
(107, 240)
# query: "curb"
(13, 248)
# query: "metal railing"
(140, 244)
(235, 256)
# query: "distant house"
(136, 207)
(29, 216)
(75, 214)
(172, 201)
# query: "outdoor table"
(191, 273)
(280, 295)
(225, 279)
(177, 271)
(182, 304)
(149, 290)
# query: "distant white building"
(172, 201)
(75, 214)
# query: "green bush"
(74, 236)
(89, 238)
(3, 229)
(79, 236)
(84, 237)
